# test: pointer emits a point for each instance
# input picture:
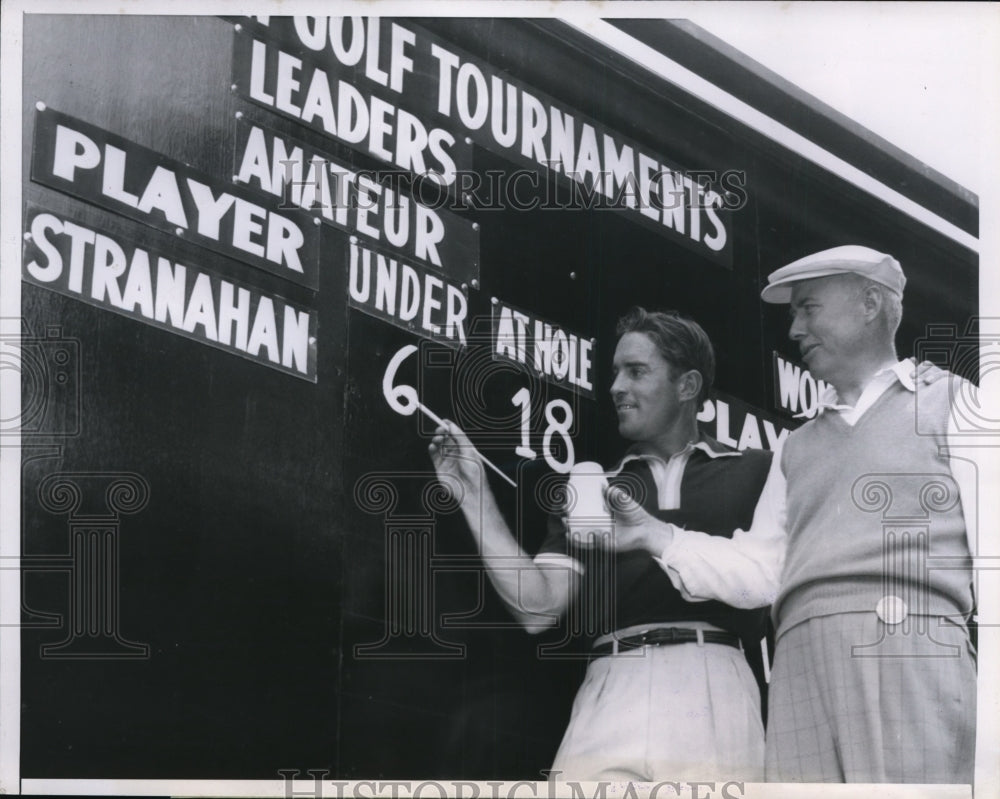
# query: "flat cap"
(851, 258)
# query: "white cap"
(851, 258)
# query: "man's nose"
(616, 388)
(797, 331)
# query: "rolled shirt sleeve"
(743, 571)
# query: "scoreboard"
(263, 254)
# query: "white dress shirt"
(745, 571)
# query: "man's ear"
(872, 299)
(689, 385)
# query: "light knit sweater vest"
(868, 506)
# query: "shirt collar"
(901, 371)
(904, 373)
(705, 443)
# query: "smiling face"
(829, 324)
(646, 392)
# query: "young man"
(860, 544)
(668, 694)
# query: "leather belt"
(666, 635)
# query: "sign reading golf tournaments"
(333, 75)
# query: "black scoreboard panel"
(234, 452)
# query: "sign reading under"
(115, 274)
(405, 295)
(122, 176)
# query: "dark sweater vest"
(718, 495)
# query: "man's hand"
(452, 455)
(926, 372)
(635, 528)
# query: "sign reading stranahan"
(84, 161)
(328, 73)
(115, 274)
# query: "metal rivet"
(239, 115)
(40, 105)
(475, 284)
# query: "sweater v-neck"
(862, 419)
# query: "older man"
(668, 693)
(860, 543)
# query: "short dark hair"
(681, 341)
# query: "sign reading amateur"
(122, 176)
(115, 274)
(357, 201)
(328, 73)
(549, 350)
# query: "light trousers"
(676, 712)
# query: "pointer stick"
(482, 458)
(404, 400)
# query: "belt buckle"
(661, 635)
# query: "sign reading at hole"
(553, 353)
